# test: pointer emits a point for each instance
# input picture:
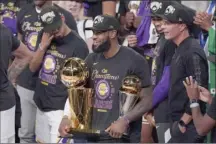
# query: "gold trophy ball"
(74, 73)
(131, 85)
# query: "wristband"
(193, 101)
(193, 105)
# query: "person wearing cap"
(203, 123)
(58, 43)
(189, 59)
(163, 53)
(109, 65)
(30, 31)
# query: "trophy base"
(83, 134)
(90, 135)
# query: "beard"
(104, 47)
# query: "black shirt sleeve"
(196, 67)
(15, 42)
(89, 62)
(212, 109)
(140, 68)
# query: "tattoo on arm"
(16, 68)
(143, 106)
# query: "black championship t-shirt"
(189, 60)
(50, 92)
(106, 76)
(212, 109)
(8, 44)
(29, 25)
(163, 54)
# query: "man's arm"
(67, 112)
(65, 124)
(37, 59)
(203, 124)
(143, 106)
(22, 58)
(39, 54)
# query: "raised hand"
(205, 95)
(191, 88)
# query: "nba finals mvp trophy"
(74, 74)
(129, 94)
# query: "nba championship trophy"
(129, 94)
(74, 74)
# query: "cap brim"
(53, 26)
(90, 28)
(212, 58)
(162, 16)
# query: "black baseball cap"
(178, 13)
(51, 18)
(104, 23)
(212, 58)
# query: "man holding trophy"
(121, 85)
